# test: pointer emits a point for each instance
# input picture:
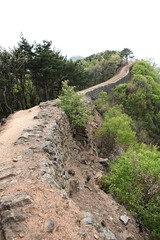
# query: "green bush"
(74, 106)
(145, 68)
(135, 182)
(117, 128)
(101, 103)
(119, 93)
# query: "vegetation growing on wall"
(74, 105)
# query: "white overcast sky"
(83, 27)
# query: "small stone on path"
(51, 225)
(125, 219)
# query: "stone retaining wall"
(58, 146)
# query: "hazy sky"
(83, 27)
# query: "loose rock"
(107, 234)
(88, 219)
(51, 225)
(82, 233)
(125, 219)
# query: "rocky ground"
(49, 183)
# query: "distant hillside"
(75, 58)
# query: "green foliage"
(145, 69)
(117, 127)
(30, 73)
(135, 182)
(102, 102)
(101, 66)
(126, 53)
(119, 93)
(74, 106)
(141, 100)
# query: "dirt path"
(13, 129)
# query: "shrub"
(101, 103)
(135, 182)
(117, 128)
(119, 93)
(74, 106)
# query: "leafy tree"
(76, 74)
(145, 69)
(74, 106)
(110, 65)
(6, 82)
(20, 57)
(46, 70)
(125, 54)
